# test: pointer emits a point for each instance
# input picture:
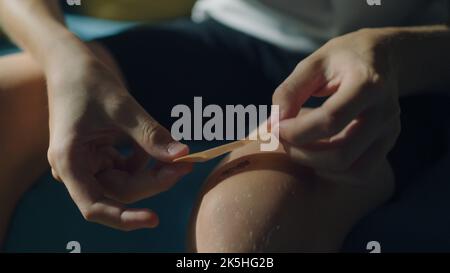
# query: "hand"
(90, 111)
(360, 119)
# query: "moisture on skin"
(263, 202)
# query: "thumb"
(150, 135)
(306, 79)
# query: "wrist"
(381, 45)
(67, 52)
(394, 47)
(418, 56)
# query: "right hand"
(90, 110)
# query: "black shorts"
(169, 64)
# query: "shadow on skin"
(249, 194)
(263, 202)
(274, 161)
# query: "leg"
(262, 202)
(23, 123)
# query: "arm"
(37, 26)
(421, 56)
(90, 110)
(363, 73)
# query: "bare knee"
(257, 202)
(224, 225)
(250, 211)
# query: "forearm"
(38, 27)
(420, 56)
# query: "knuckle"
(55, 154)
(150, 130)
(58, 155)
(370, 76)
(50, 157)
(89, 214)
(284, 91)
(118, 107)
(314, 61)
(367, 78)
(360, 71)
(332, 43)
(56, 176)
(278, 95)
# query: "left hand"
(361, 116)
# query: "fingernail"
(154, 220)
(175, 148)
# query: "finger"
(114, 214)
(332, 117)
(94, 206)
(98, 209)
(341, 151)
(126, 188)
(372, 161)
(149, 134)
(298, 87)
(337, 153)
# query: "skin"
(344, 141)
(90, 110)
(264, 202)
(364, 74)
(20, 90)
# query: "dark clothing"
(169, 64)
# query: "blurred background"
(96, 18)
(47, 219)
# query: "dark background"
(417, 219)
